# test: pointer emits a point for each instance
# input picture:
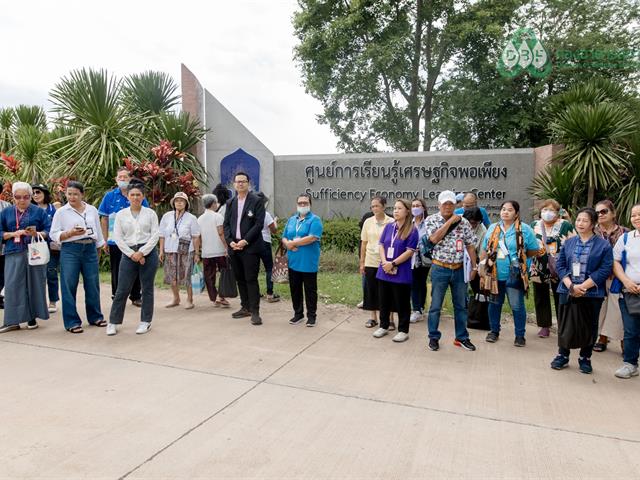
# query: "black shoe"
(255, 319)
(243, 312)
(519, 342)
(585, 365)
(466, 344)
(32, 324)
(492, 337)
(136, 303)
(559, 362)
(296, 320)
(311, 321)
(434, 345)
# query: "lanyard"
(176, 222)
(394, 234)
(299, 225)
(502, 243)
(81, 215)
(21, 216)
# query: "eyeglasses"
(241, 181)
(303, 204)
(37, 192)
(21, 197)
(604, 211)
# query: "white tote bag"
(38, 251)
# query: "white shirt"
(67, 217)
(187, 229)
(212, 245)
(130, 231)
(239, 216)
(222, 210)
(266, 233)
(633, 254)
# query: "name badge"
(249, 214)
(89, 231)
(390, 252)
(575, 269)
(459, 245)
(501, 254)
(174, 236)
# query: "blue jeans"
(516, 301)
(52, 276)
(76, 259)
(631, 334)
(441, 279)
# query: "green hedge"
(341, 234)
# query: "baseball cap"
(447, 196)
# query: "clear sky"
(240, 50)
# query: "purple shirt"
(240, 208)
(399, 247)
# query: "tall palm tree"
(31, 150)
(150, 92)
(7, 119)
(31, 115)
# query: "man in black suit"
(243, 223)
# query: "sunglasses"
(604, 211)
(21, 197)
(36, 192)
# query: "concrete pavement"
(206, 396)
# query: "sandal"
(100, 323)
(371, 323)
(76, 329)
(222, 303)
(599, 347)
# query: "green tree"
(150, 92)
(7, 118)
(375, 64)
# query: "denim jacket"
(599, 265)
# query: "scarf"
(489, 283)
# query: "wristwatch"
(393, 263)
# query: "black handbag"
(632, 301)
(574, 324)
(227, 287)
(478, 313)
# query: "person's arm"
(148, 247)
(196, 248)
(227, 227)
(220, 231)
(629, 284)
(104, 227)
(255, 231)
(161, 249)
(441, 232)
(562, 267)
(119, 239)
(363, 253)
(273, 226)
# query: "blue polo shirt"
(503, 262)
(112, 203)
(307, 257)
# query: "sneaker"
(585, 365)
(296, 320)
(243, 312)
(466, 344)
(273, 298)
(53, 308)
(311, 321)
(415, 317)
(144, 327)
(137, 303)
(112, 329)
(392, 326)
(360, 305)
(492, 337)
(9, 328)
(400, 337)
(371, 323)
(32, 324)
(255, 319)
(559, 362)
(627, 370)
(381, 332)
(519, 342)
(434, 345)
(544, 332)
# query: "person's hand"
(30, 231)
(137, 256)
(361, 269)
(234, 246)
(454, 218)
(473, 274)
(105, 248)
(161, 257)
(579, 290)
(242, 244)
(196, 258)
(75, 231)
(632, 287)
(291, 245)
(387, 267)
(19, 233)
(142, 260)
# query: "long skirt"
(25, 296)
(177, 268)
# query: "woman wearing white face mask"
(301, 238)
(551, 231)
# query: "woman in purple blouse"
(398, 242)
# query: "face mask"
(417, 211)
(123, 184)
(304, 210)
(548, 215)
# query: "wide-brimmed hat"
(181, 195)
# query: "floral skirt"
(177, 268)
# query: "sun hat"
(181, 195)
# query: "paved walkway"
(206, 396)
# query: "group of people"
(589, 269)
(575, 265)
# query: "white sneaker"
(381, 332)
(111, 329)
(144, 327)
(627, 370)
(415, 317)
(53, 308)
(400, 337)
(360, 305)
